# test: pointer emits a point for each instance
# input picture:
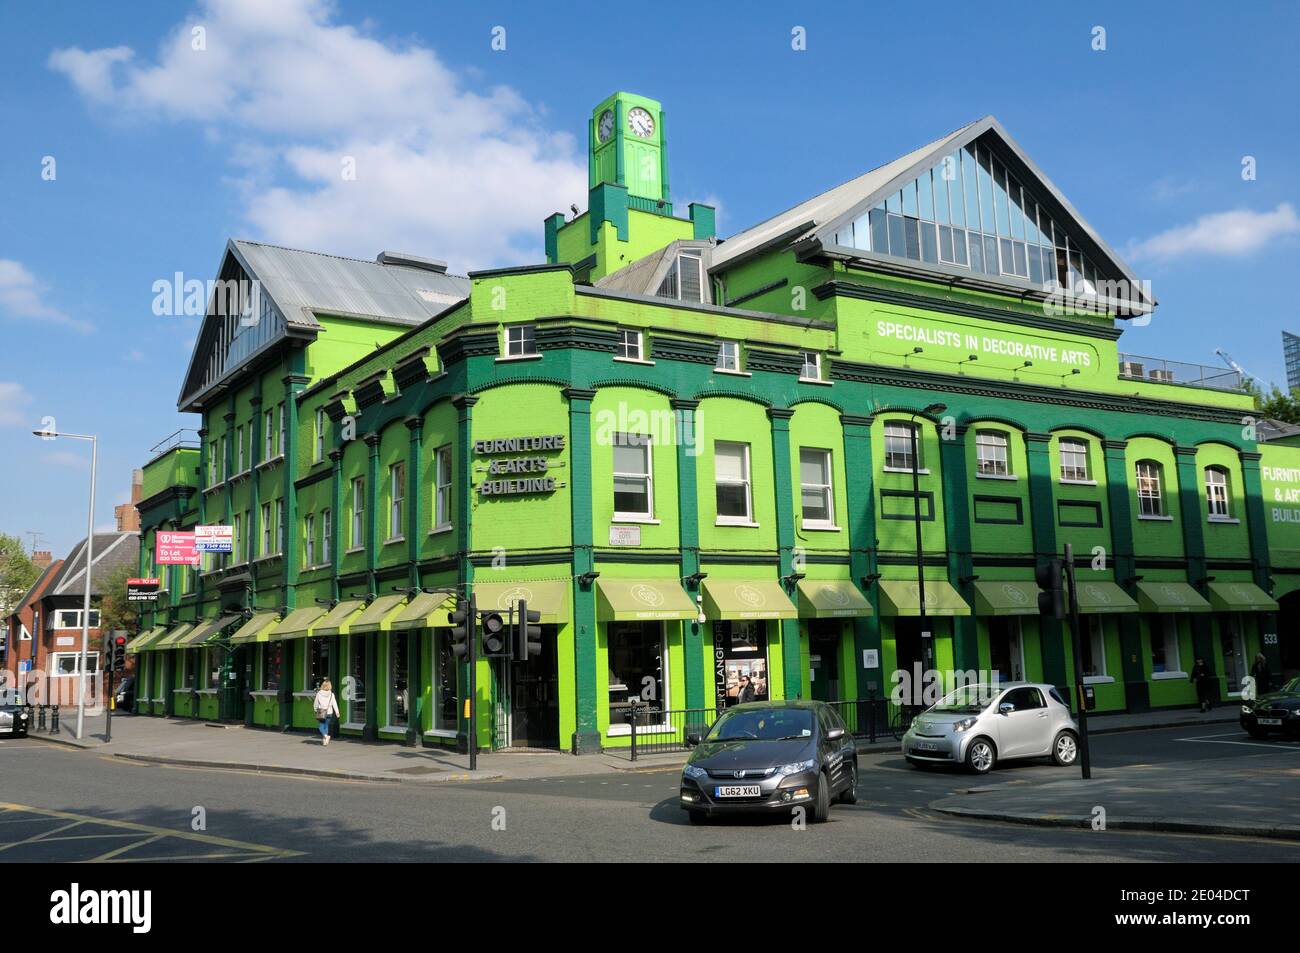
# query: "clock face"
(640, 122)
(605, 126)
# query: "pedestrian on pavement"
(1259, 672)
(326, 707)
(1204, 680)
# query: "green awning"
(337, 620)
(1240, 597)
(1170, 597)
(904, 598)
(637, 600)
(256, 629)
(1100, 597)
(377, 616)
(143, 640)
(173, 637)
(1004, 597)
(747, 599)
(551, 599)
(831, 599)
(297, 624)
(208, 630)
(425, 611)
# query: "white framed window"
(65, 664)
(356, 687)
(1074, 461)
(638, 674)
(248, 549)
(71, 619)
(1150, 500)
(212, 463)
(1164, 645)
(442, 488)
(396, 498)
(731, 476)
(239, 437)
(812, 365)
(268, 528)
(629, 345)
(309, 540)
(816, 496)
(399, 696)
(991, 453)
(1216, 492)
(521, 340)
(326, 535)
(358, 538)
(280, 537)
(212, 659)
(320, 435)
(225, 458)
(1093, 646)
(898, 445)
(685, 279)
(280, 442)
(237, 535)
(633, 477)
(268, 435)
(728, 356)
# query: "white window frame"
(390, 689)
(76, 614)
(827, 489)
(326, 535)
(629, 347)
(267, 529)
(664, 704)
(1149, 486)
(76, 664)
(225, 459)
(648, 478)
(309, 540)
(812, 366)
(442, 481)
(268, 437)
(1217, 497)
(320, 434)
(902, 430)
(280, 444)
(396, 501)
(728, 359)
(1069, 473)
(746, 482)
(212, 463)
(992, 453)
(237, 536)
(280, 537)
(239, 437)
(358, 523)
(521, 340)
(1168, 632)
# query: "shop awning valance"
(142, 641)
(903, 598)
(1004, 597)
(1170, 597)
(377, 616)
(173, 637)
(336, 621)
(747, 599)
(256, 629)
(551, 599)
(640, 600)
(297, 624)
(831, 599)
(1100, 597)
(208, 629)
(426, 611)
(1240, 597)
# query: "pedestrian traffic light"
(118, 658)
(527, 636)
(462, 625)
(1050, 579)
(494, 633)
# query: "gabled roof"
(818, 219)
(645, 275)
(110, 552)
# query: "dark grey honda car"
(771, 756)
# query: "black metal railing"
(875, 719)
(652, 730)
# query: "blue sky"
(162, 151)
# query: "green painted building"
(695, 458)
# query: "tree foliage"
(115, 613)
(17, 573)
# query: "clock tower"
(626, 146)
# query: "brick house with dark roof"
(22, 626)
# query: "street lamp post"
(90, 546)
(927, 642)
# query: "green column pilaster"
(255, 484)
(295, 383)
(203, 508)
(956, 520)
(1136, 695)
(1043, 514)
(586, 737)
(371, 529)
(1189, 504)
(783, 490)
(463, 498)
(689, 541)
(1261, 565)
(414, 496)
(859, 491)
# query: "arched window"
(1150, 498)
(1216, 492)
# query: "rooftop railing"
(1159, 371)
(185, 438)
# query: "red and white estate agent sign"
(176, 549)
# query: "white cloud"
(1235, 233)
(14, 400)
(23, 297)
(287, 93)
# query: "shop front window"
(740, 662)
(1093, 647)
(272, 656)
(212, 669)
(1164, 644)
(318, 663)
(637, 667)
(398, 696)
(445, 703)
(355, 690)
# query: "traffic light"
(118, 658)
(462, 626)
(1050, 579)
(527, 636)
(494, 633)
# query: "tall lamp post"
(927, 642)
(90, 546)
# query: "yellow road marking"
(124, 848)
(41, 836)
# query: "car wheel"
(822, 807)
(850, 794)
(1065, 749)
(698, 817)
(981, 756)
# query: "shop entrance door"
(910, 658)
(824, 659)
(1006, 648)
(1233, 642)
(535, 698)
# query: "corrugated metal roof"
(111, 551)
(301, 282)
(644, 275)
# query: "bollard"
(54, 719)
(633, 719)
(871, 715)
(40, 717)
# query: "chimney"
(42, 558)
(127, 516)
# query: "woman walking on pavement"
(1204, 680)
(325, 706)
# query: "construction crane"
(1227, 359)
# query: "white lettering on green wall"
(983, 344)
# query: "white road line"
(1210, 740)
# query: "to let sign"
(176, 549)
(141, 590)
(214, 539)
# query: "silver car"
(979, 725)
